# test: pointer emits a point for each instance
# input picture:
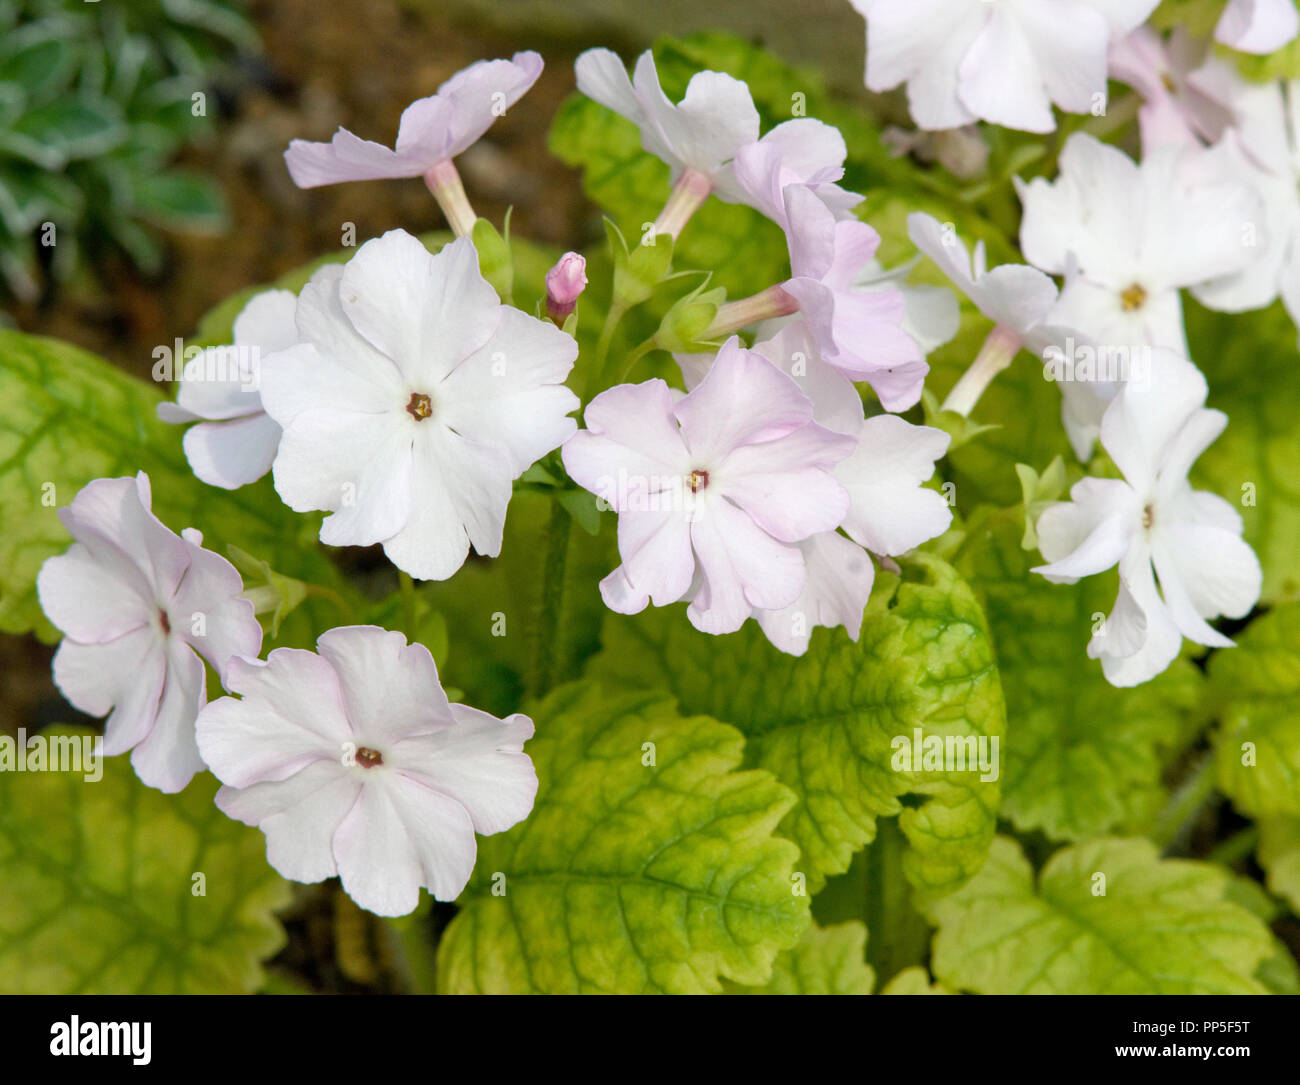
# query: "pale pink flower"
(140, 609)
(354, 764)
(433, 130)
(565, 283)
(713, 489)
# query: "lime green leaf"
(1037, 492)
(494, 262)
(1250, 362)
(827, 961)
(270, 592)
(1163, 926)
(1082, 757)
(914, 981)
(647, 865)
(1279, 854)
(1281, 64)
(67, 417)
(824, 724)
(100, 888)
(1257, 685)
(959, 428)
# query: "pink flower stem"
(994, 356)
(765, 305)
(688, 195)
(444, 182)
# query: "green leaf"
(1082, 757)
(1038, 492)
(1250, 362)
(582, 506)
(1257, 685)
(67, 417)
(494, 260)
(827, 961)
(824, 723)
(1163, 926)
(65, 130)
(1279, 854)
(647, 865)
(180, 200)
(914, 981)
(98, 888)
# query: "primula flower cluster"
(403, 394)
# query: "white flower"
(1264, 153)
(353, 763)
(1015, 297)
(1186, 89)
(432, 131)
(138, 605)
(1152, 523)
(713, 489)
(235, 440)
(1019, 300)
(1005, 62)
(412, 403)
(1137, 234)
(1257, 26)
(715, 119)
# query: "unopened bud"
(564, 282)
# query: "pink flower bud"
(564, 282)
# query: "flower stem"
(548, 626)
(765, 305)
(688, 195)
(1235, 848)
(1184, 805)
(994, 356)
(321, 592)
(444, 182)
(406, 587)
(594, 380)
(636, 355)
(899, 936)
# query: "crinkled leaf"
(1279, 854)
(98, 888)
(1257, 685)
(824, 723)
(628, 876)
(914, 981)
(1163, 926)
(827, 961)
(1082, 757)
